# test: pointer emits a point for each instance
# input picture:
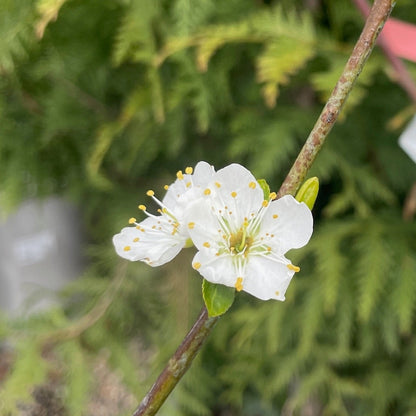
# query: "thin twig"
(402, 75)
(182, 359)
(177, 366)
(88, 320)
(378, 15)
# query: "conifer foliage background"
(102, 100)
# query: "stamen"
(127, 248)
(206, 244)
(272, 195)
(217, 184)
(294, 268)
(136, 239)
(275, 216)
(233, 194)
(188, 184)
(132, 220)
(196, 265)
(265, 203)
(142, 207)
(179, 174)
(277, 293)
(239, 284)
(191, 225)
(189, 170)
(207, 191)
(166, 187)
(150, 192)
(252, 185)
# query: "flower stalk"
(182, 359)
(377, 17)
(177, 365)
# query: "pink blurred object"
(401, 38)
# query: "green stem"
(378, 15)
(182, 359)
(177, 365)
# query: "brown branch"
(402, 75)
(378, 15)
(177, 366)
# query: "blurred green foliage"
(114, 97)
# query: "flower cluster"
(241, 236)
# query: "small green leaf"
(309, 192)
(217, 298)
(266, 188)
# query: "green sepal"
(188, 243)
(217, 298)
(265, 187)
(308, 192)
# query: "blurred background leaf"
(100, 101)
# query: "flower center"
(240, 241)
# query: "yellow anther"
(150, 192)
(166, 187)
(294, 268)
(188, 184)
(189, 170)
(138, 227)
(239, 284)
(245, 223)
(275, 216)
(196, 265)
(265, 203)
(273, 195)
(136, 239)
(179, 174)
(233, 194)
(277, 293)
(127, 248)
(142, 207)
(252, 185)
(217, 184)
(207, 191)
(269, 249)
(191, 225)
(132, 220)
(206, 244)
(164, 210)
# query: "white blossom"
(242, 238)
(159, 238)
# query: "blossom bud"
(308, 192)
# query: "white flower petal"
(289, 221)
(187, 188)
(153, 246)
(202, 225)
(235, 187)
(215, 269)
(203, 173)
(266, 278)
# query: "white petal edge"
(267, 279)
(154, 248)
(218, 270)
(292, 227)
